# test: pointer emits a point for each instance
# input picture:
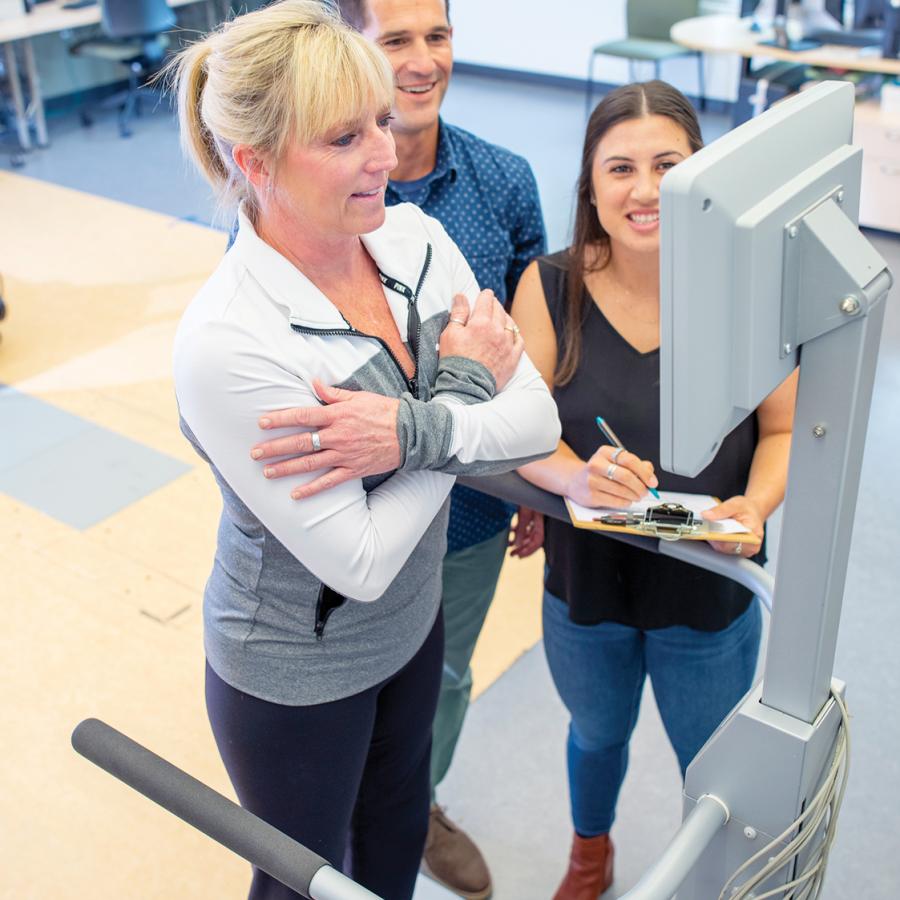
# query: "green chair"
(649, 23)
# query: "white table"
(48, 18)
(729, 34)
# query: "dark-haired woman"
(614, 614)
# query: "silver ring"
(738, 548)
(611, 470)
(456, 321)
(513, 328)
(615, 454)
(316, 441)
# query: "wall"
(556, 39)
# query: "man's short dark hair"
(356, 12)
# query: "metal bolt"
(750, 833)
(793, 232)
(787, 348)
(818, 431)
(839, 196)
(849, 306)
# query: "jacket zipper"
(413, 320)
(413, 324)
(329, 600)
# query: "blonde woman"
(322, 629)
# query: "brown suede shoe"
(590, 869)
(452, 859)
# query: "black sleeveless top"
(606, 580)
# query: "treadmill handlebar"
(224, 821)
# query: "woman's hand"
(743, 510)
(486, 334)
(611, 477)
(527, 534)
(356, 433)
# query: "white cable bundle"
(825, 805)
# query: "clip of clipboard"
(665, 521)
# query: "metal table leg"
(34, 88)
(15, 86)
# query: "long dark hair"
(631, 101)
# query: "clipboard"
(674, 517)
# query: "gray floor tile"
(31, 426)
(88, 476)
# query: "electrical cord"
(824, 807)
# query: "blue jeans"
(599, 671)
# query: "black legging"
(347, 778)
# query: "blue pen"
(610, 435)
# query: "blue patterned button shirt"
(487, 199)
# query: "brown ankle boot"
(590, 869)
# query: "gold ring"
(512, 328)
(457, 321)
(738, 548)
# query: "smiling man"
(487, 199)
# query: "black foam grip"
(235, 828)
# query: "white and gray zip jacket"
(287, 611)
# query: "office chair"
(648, 23)
(133, 35)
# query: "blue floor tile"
(29, 426)
(71, 469)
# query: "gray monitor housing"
(763, 267)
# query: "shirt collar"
(399, 255)
(445, 164)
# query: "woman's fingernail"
(265, 423)
(269, 471)
(256, 454)
(296, 495)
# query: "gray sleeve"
(425, 430)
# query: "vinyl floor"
(107, 526)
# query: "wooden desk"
(49, 18)
(728, 34)
(876, 131)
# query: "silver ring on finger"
(316, 441)
(738, 548)
(512, 328)
(456, 321)
(611, 471)
(615, 454)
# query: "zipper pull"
(396, 286)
